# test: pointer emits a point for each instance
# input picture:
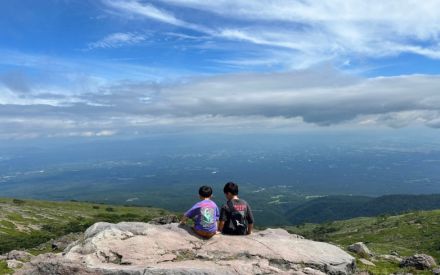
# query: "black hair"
(205, 191)
(231, 187)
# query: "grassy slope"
(4, 268)
(26, 224)
(411, 233)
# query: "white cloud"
(312, 30)
(307, 99)
(318, 97)
(144, 9)
(116, 40)
(402, 17)
(147, 10)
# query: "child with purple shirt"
(205, 214)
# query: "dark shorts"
(204, 234)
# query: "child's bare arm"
(221, 224)
(250, 228)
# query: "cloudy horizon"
(124, 68)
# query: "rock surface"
(165, 220)
(390, 258)
(14, 264)
(18, 255)
(360, 249)
(140, 248)
(419, 261)
(366, 262)
(64, 241)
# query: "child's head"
(230, 190)
(205, 192)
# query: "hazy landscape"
(276, 173)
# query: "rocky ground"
(164, 247)
(141, 248)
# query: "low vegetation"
(4, 268)
(406, 234)
(331, 208)
(26, 224)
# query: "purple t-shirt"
(205, 215)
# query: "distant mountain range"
(331, 208)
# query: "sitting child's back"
(205, 214)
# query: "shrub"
(115, 218)
(24, 240)
(107, 217)
(18, 202)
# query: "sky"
(101, 68)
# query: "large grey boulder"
(140, 248)
(419, 261)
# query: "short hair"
(231, 187)
(205, 191)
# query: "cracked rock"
(141, 248)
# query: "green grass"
(4, 268)
(407, 234)
(26, 224)
(384, 267)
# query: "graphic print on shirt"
(240, 208)
(208, 217)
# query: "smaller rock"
(19, 256)
(64, 241)
(394, 253)
(3, 257)
(311, 271)
(436, 271)
(165, 220)
(360, 249)
(419, 261)
(14, 264)
(366, 262)
(390, 258)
